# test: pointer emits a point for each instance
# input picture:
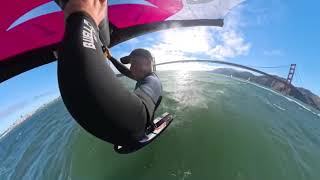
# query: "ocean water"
(224, 128)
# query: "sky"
(256, 33)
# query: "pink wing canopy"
(31, 34)
(30, 30)
(125, 15)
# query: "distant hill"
(302, 94)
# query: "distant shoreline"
(302, 94)
(27, 116)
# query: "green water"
(224, 129)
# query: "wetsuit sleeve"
(91, 92)
(121, 68)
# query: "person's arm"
(121, 68)
(88, 86)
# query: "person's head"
(141, 62)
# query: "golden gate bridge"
(287, 83)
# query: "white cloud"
(233, 44)
(230, 40)
(205, 42)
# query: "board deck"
(161, 123)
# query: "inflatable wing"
(30, 30)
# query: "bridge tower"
(289, 78)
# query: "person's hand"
(106, 52)
(95, 8)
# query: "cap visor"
(125, 60)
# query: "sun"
(188, 40)
(182, 44)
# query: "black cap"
(136, 53)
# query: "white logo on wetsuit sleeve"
(88, 35)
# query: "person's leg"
(91, 91)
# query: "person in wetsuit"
(91, 92)
(148, 86)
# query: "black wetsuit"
(149, 88)
(92, 93)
